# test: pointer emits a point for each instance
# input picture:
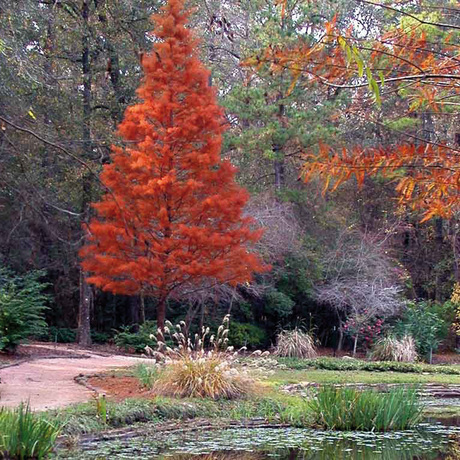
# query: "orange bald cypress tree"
(174, 215)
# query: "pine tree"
(173, 216)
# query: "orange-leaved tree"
(403, 78)
(174, 216)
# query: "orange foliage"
(174, 217)
(427, 173)
(427, 176)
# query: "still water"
(429, 441)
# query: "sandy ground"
(49, 383)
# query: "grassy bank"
(288, 376)
(338, 364)
(272, 407)
(87, 418)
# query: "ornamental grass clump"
(295, 344)
(393, 349)
(347, 409)
(210, 376)
(200, 366)
(25, 435)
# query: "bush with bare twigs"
(202, 366)
(295, 344)
(393, 349)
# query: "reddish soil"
(118, 388)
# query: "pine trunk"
(84, 313)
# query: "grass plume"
(295, 344)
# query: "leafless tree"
(362, 281)
(282, 230)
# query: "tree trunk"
(355, 345)
(191, 313)
(455, 241)
(202, 312)
(142, 309)
(134, 309)
(84, 312)
(161, 313)
(340, 344)
(278, 166)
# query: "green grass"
(280, 377)
(337, 364)
(86, 418)
(273, 407)
(347, 409)
(276, 408)
(25, 435)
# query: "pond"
(429, 441)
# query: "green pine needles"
(22, 307)
(347, 409)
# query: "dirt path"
(49, 383)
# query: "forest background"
(345, 264)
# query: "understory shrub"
(68, 335)
(423, 322)
(22, 308)
(137, 341)
(348, 409)
(189, 370)
(57, 334)
(25, 435)
(391, 348)
(295, 344)
(246, 335)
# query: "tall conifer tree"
(174, 215)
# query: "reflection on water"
(360, 446)
(429, 443)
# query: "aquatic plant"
(25, 435)
(238, 455)
(348, 409)
(295, 344)
(129, 340)
(101, 407)
(391, 348)
(280, 443)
